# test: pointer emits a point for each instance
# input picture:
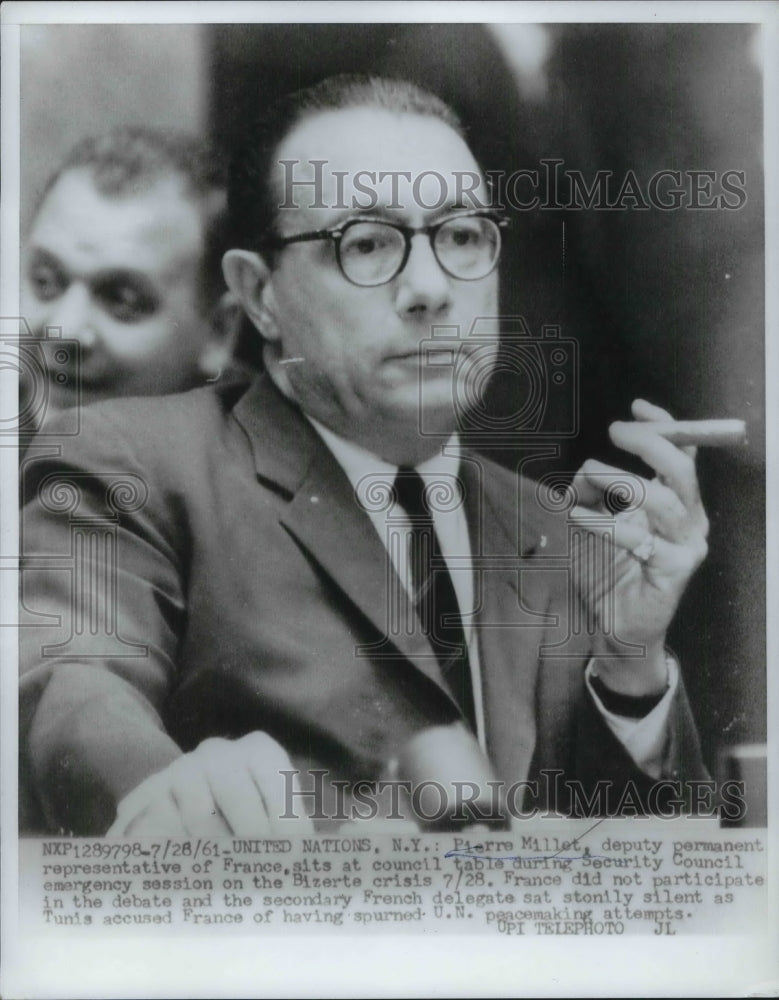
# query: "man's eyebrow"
(384, 213)
(119, 275)
(362, 212)
(103, 276)
(38, 253)
(377, 213)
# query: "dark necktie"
(434, 595)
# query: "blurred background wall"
(664, 305)
(77, 80)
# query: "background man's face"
(120, 275)
(360, 373)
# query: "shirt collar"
(357, 462)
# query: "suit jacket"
(198, 566)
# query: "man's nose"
(73, 314)
(423, 287)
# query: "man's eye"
(126, 303)
(462, 235)
(363, 246)
(46, 282)
(364, 240)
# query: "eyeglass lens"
(372, 253)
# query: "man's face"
(120, 275)
(350, 355)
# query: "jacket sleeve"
(582, 769)
(102, 565)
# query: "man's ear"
(247, 274)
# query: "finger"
(675, 557)
(599, 568)
(160, 819)
(598, 484)
(267, 761)
(194, 800)
(627, 534)
(604, 486)
(646, 549)
(287, 818)
(674, 466)
(642, 409)
(645, 411)
(242, 804)
(666, 514)
(233, 789)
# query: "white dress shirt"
(644, 738)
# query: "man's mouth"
(443, 351)
(405, 356)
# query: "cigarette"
(707, 433)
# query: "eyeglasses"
(372, 252)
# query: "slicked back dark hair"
(130, 160)
(252, 198)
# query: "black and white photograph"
(386, 552)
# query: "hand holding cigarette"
(652, 546)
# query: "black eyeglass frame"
(336, 233)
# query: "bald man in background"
(123, 256)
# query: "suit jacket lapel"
(325, 517)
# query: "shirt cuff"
(644, 739)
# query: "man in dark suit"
(262, 583)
